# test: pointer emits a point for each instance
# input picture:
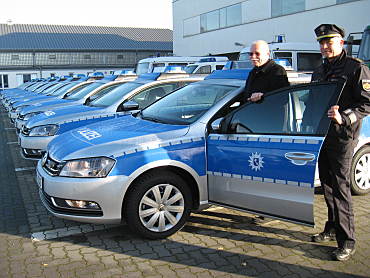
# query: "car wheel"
(360, 171)
(158, 205)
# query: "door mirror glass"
(216, 125)
(128, 106)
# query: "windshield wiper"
(152, 119)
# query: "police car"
(40, 129)
(194, 147)
(75, 96)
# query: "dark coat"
(354, 102)
(266, 78)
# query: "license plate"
(39, 180)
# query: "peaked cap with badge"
(325, 31)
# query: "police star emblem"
(366, 85)
(256, 161)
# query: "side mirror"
(87, 101)
(129, 106)
(216, 125)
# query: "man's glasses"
(254, 53)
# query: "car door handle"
(298, 158)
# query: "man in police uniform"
(337, 151)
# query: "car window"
(190, 68)
(204, 70)
(308, 61)
(63, 90)
(76, 90)
(187, 104)
(284, 55)
(295, 111)
(80, 94)
(104, 91)
(148, 96)
(115, 95)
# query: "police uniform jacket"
(354, 102)
(268, 77)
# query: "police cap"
(325, 31)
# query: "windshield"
(80, 94)
(187, 104)
(51, 90)
(142, 68)
(103, 91)
(42, 88)
(364, 52)
(115, 95)
(62, 90)
(190, 68)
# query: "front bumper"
(19, 124)
(107, 192)
(34, 146)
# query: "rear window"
(308, 61)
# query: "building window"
(283, 7)
(26, 78)
(52, 57)
(87, 57)
(4, 81)
(221, 18)
(120, 57)
(15, 57)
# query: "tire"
(360, 172)
(148, 212)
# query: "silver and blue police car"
(111, 102)
(77, 95)
(196, 146)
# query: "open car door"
(262, 157)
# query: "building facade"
(30, 51)
(223, 27)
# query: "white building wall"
(258, 24)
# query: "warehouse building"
(224, 27)
(30, 51)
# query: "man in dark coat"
(266, 75)
(337, 150)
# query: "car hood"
(46, 105)
(58, 115)
(33, 100)
(112, 137)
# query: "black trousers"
(334, 172)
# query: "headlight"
(28, 116)
(97, 167)
(44, 130)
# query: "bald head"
(259, 53)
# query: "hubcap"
(362, 172)
(161, 207)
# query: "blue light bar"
(96, 74)
(149, 76)
(123, 72)
(210, 59)
(229, 74)
(174, 69)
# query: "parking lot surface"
(217, 242)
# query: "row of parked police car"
(150, 149)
